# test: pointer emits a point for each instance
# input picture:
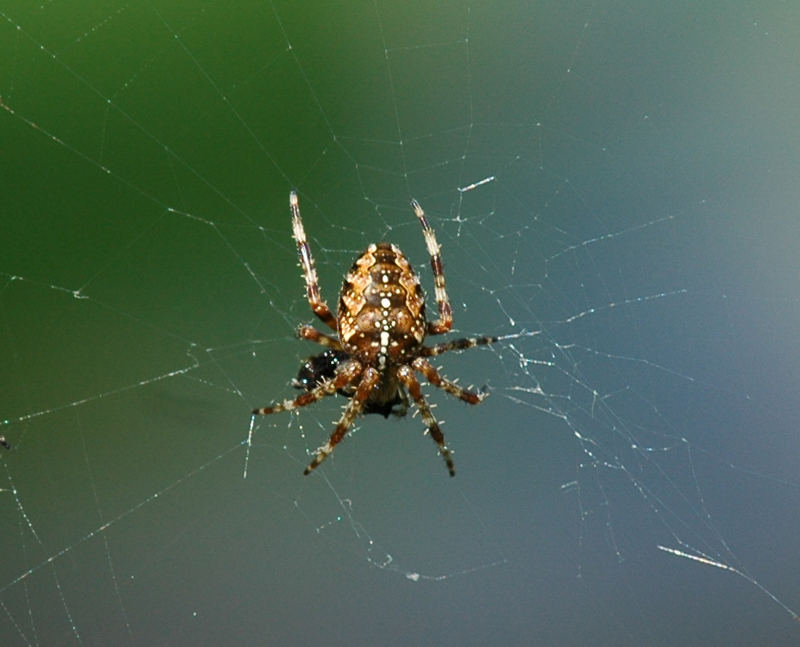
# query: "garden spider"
(380, 327)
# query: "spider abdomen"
(382, 308)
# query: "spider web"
(614, 197)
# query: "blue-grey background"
(640, 238)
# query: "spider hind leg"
(445, 320)
(313, 295)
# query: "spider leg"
(445, 320)
(369, 379)
(347, 372)
(432, 375)
(312, 334)
(315, 300)
(407, 377)
(456, 344)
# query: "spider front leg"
(445, 320)
(315, 300)
(368, 381)
(432, 375)
(347, 372)
(407, 377)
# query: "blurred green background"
(636, 233)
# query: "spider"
(380, 329)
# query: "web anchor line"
(726, 567)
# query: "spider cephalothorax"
(381, 327)
(319, 368)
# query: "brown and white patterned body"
(380, 326)
(382, 308)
